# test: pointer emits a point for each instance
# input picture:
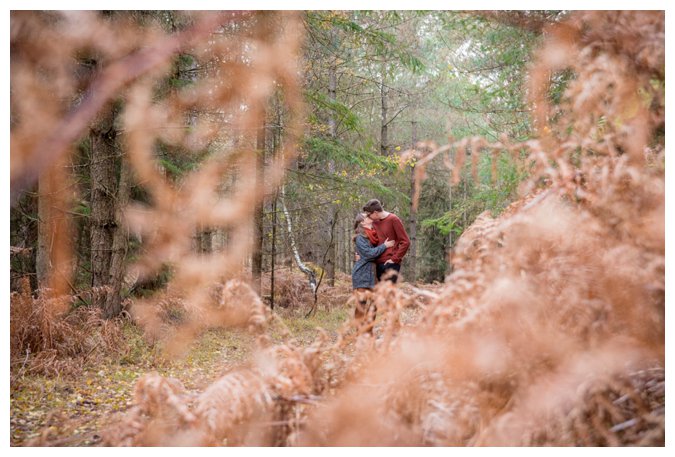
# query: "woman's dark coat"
(363, 274)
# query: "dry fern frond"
(550, 329)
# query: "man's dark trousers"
(389, 271)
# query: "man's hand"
(357, 257)
(389, 261)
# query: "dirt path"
(70, 410)
(73, 408)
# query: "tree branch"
(396, 115)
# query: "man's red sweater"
(391, 227)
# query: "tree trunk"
(274, 249)
(465, 218)
(412, 227)
(347, 237)
(329, 266)
(448, 254)
(332, 89)
(44, 235)
(276, 142)
(103, 173)
(54, 253)
(384, 140)
(339, 247)
(311, 276)
(258, 235)
(113, 303)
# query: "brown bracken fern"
(550, 329)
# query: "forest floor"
(71, 410)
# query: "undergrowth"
(72, 407)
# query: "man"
(388, 225)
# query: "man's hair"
(372, 206)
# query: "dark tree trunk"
(448, 253)
(332, 90)
(42, 263)
(276, 140)
(332, 209)
(113, 304)
(103, 171)
(329, 265)
(347, 235)
(339, 249)
(384, 132)
(258, 235)
(465, 192)
(274, 250)
(412, 227)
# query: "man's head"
(373, 209)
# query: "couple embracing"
(380, 242)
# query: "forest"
(185, 197)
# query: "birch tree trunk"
(311, 276)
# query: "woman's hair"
(358, 228)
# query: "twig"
(25, 360)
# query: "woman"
(363, 276)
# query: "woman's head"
(361, 222)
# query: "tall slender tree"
(258, 228)
(104, 175)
